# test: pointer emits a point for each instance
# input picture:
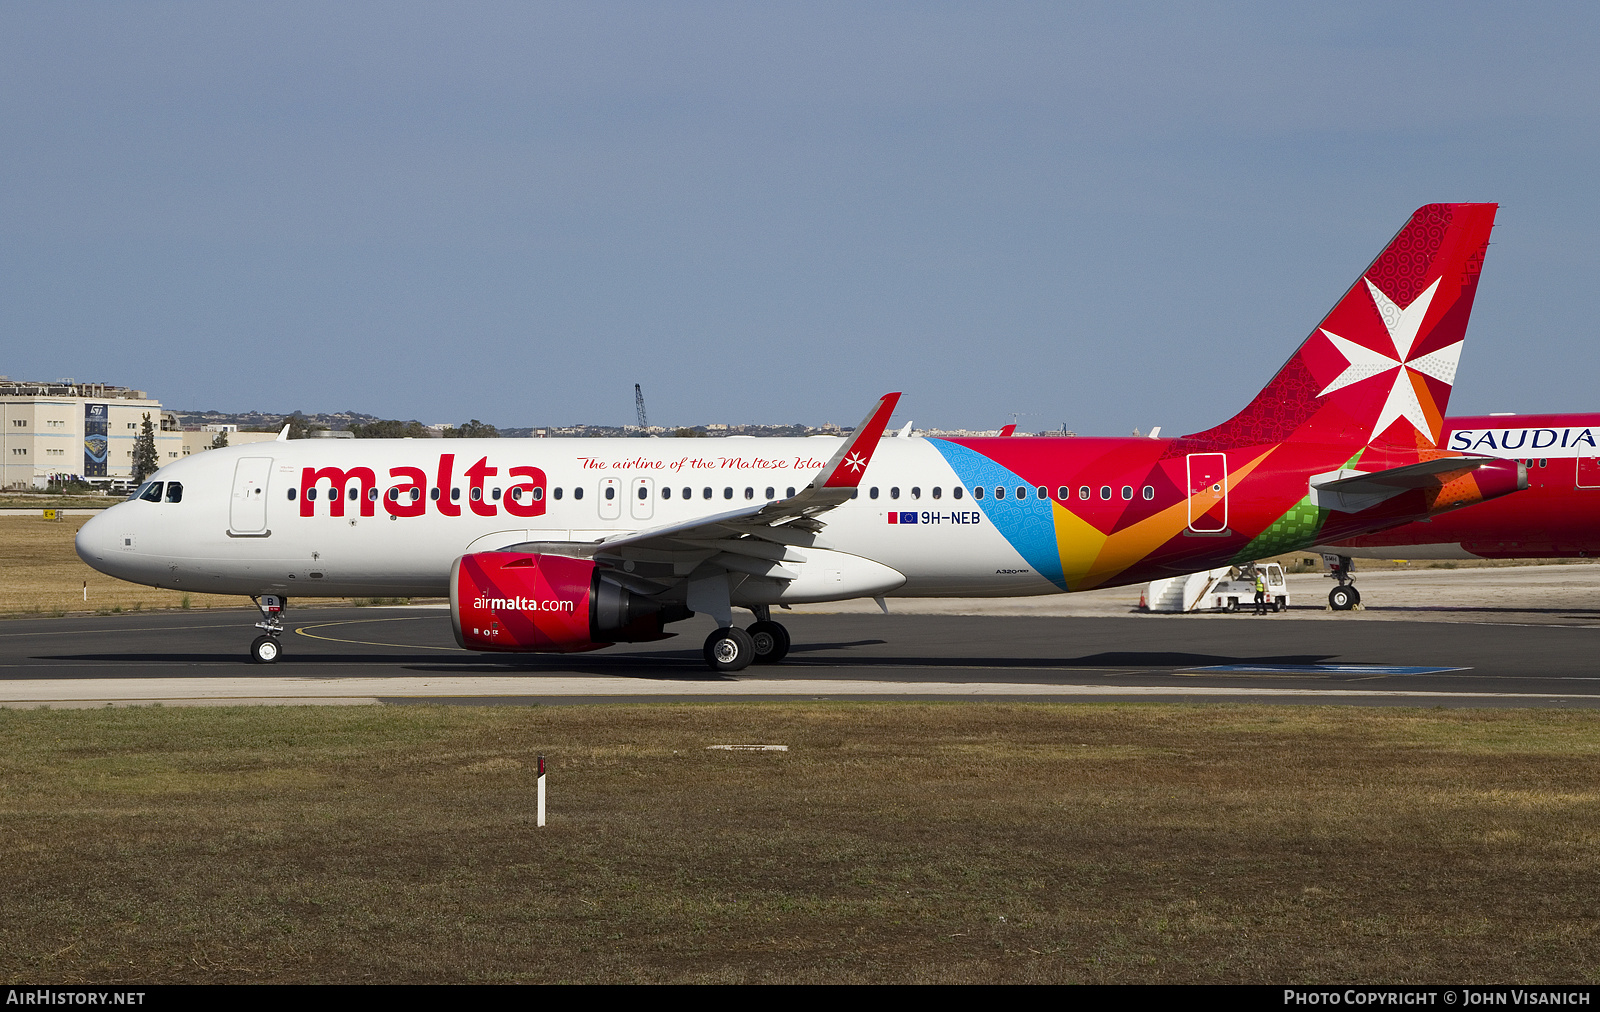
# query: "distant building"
(83, 430)
(195, 440)
(67, 430)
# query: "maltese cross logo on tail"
(1407, 392)
(855, 462)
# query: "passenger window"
(476, 493)
(727, 492)
(577, 492)
(873, 492)
(416, 493)
(394, 494)
(644, 493)
(1022, 493)
(455, 495)
(999, 491)
(496, 495)
(977, 491)
(311, 494)
(372, 494)
(433, 493)
(1127, 492)
(516, 493)
(1044, 493)
(1544, 461)
(538, 494)
(152, 493)
(1083, 492)
(894, 492)
(1105, 491)
(355, 492)
(916, 493)
(706, 494)
(789, 492)
(611, 492)
(666, 492)
(771, 493)
(1063, 493)
(855, 493)
(1149, 492)
(749, 493)
(556, 493)
(937, 492)
(955, 493)
(291, 495)
(174, 491)
(688, 493)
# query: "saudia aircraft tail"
(1378, 370)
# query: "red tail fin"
(1380, 366)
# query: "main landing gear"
(1345, 596)
(266, 649)
(734, 649)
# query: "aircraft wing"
(752, 539)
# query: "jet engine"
(530, 603)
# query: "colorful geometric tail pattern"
(1379, 367)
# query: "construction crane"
(638, 403)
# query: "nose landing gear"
(266, 649)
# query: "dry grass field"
(40, 574)
(895, 842)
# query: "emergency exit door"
(609, 502)
(642, 498)
(1208, 492)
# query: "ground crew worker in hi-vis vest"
(1261, 593)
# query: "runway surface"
(395, 655)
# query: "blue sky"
(1103, 215)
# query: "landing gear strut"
(1345, 596)
(266, 649)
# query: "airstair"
(1182, 593)
(1219, 589)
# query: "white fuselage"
(241, 527)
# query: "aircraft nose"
(94, 543)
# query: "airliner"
(560, 545)
(1558, 517)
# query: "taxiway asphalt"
(396, 655)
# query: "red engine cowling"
(528, 603)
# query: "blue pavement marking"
(1330, 669)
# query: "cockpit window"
(174, 491)
(152, 492)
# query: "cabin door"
(1208, 492)
(247, 512)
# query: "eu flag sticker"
(908, 518)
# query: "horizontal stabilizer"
(1427, 474)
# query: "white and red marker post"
(541, 791)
